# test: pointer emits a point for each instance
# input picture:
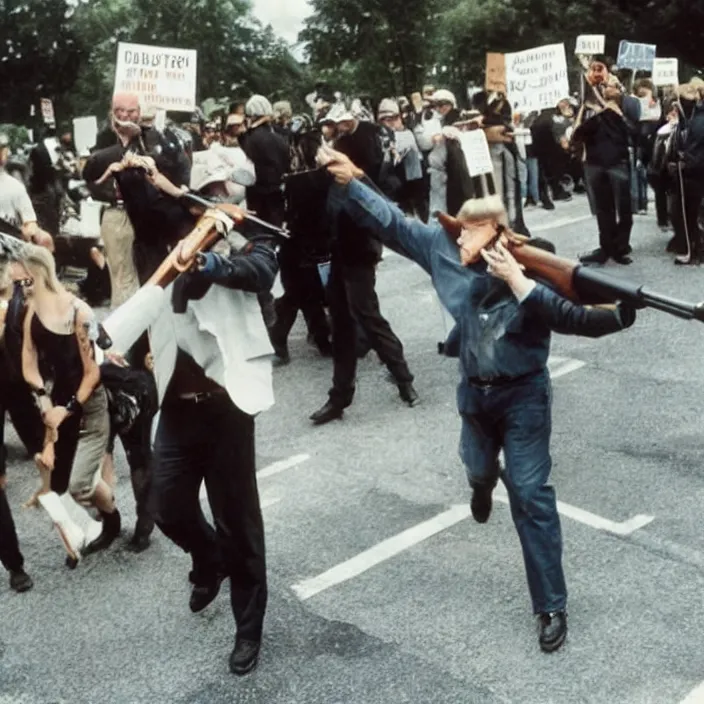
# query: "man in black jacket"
(604, 127)
(351, 287)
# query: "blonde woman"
(57, 347)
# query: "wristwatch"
(40, 392)
(73, 406)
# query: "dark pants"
(10, 555)
(214, 440)
(17, 400)
(272, 208)
(517, 418)
(303, 290)
(685, 214)
(352, 298)
(138, 449)
(660, 184)
(611, 190)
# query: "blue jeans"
(517, 418)
(532, 183)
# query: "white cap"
(258, 106)
(444, 96)
(388, 108)
(338, 113)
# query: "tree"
(40, 55)
(381, 47)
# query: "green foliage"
(380, 48)
(69, 47)
(392, 45)
(16, 134)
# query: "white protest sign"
(476, 153)
(637, 57)
(162, 78)
(48, 111)
(537, 78)
(665, 72)
(590, 44)
(85, 134)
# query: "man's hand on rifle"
(338, 164)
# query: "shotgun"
(571, 279)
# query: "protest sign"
(637, 57)
(495, 73)
(590, 44)
(665, 72)
(476, 153)
(48, 111)
(163, 78)
(537, 78)
(85, 134)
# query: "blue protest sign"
(637, 57)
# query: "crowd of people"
(342, 179)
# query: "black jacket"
(269, 152)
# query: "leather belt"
(497, 380)
(202, 396)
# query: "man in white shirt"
(17, 216)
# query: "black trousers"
(611, 191)
(138, 450)
(213, 440)
(303, 290)
(686, 203)
(17, 400)
(660, 184)
(352, 298)
(10, 555)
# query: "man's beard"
(126, 128)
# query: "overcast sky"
(285, 16)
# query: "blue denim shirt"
(498, 336)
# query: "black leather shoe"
(244, 657)
(553, 630)
(330, 411)
(481, 503)
(598, 256)
(623, 259)
(20, 581)
(408, 394)
(112, 524)
(203, 595)
(138, 543)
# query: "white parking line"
(282, 466)
(560, 366)
(696, 696)
(270, 470)
(379, 553)
(590, 519)
(554, 224)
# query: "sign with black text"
(537, 78)
(163, 78)
(590, 44)
(665, 72)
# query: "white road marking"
(696, 696)
(590, 519)
(554, 224)
(379, 553)
(269, 471)
(282, 466)
(560, 366)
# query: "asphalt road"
(414, 602)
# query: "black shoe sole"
(241, 671)
(552, 647)
(326, 418)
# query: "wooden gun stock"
(203, 236)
